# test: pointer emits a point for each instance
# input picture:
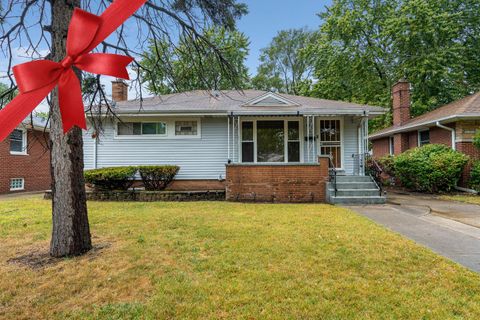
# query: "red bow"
(37, 78)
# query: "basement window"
(17, 184)
(423, 137)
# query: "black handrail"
(332, 174)
(375, 172)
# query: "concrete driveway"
(447, 227)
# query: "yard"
(229, 261)
(473, 199)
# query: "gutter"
(438, 124)
(422, 124)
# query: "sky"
(267, 17)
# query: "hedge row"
(431, 168)
(122, 178)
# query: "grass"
(473, 199)
(216, 260)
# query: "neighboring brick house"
(25, 160)
(453, 125)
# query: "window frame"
(186, 136)
(17, 189)
(169, 134)
(285, 137)
(419, 144)
(391, 145)
(24, 143)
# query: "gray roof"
(247, 102)
(467, 107)
(39, 123)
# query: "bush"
(117, 178)
(475, 176)
(476, 139)
(157, 177)
(387, 163)
(430, 168)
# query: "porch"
(294, 158)
(299, 139)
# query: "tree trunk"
(71, 231)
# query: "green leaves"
(365, 46)
(431, 168)
(283, 66)
(214, 61)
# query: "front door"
(330, 140)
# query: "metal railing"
(373, 169)
(332, 174)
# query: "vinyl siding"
(198, 158)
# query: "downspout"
(438, 124)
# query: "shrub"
(387, 163)
(430, 168)
(157, 177)
(117, 178)
(475, 176)
(476, 139)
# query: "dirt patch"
(39, 258)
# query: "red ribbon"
(37, 79)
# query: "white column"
(228, 138)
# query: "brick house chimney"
(119, 90)
(401, 102)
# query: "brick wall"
(196, 185)
(34, 167)
(440, 136)
(470, 150)
(277, 183)
(381, 147)
(400, 143)
(412, 139)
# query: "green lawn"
(463, 198)
(216, 260)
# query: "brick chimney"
(119, 90)
(401, 102)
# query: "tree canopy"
(282, 68)
(364, 47)
(177, 68)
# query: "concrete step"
(355, 192)
(353, 185)
(353, 179)
(358, 200)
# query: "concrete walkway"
(416, 218)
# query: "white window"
(17, 184)
(142, 129)
(18, 142)
(186, 128)
(270, 141)
(423, 137)
(391, 143)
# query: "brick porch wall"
(34, 167)
(440, 136)
(277, 183)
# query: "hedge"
(115, 178)
(157, 177)
(431, 168)
(475, 176)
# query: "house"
(453, 125)
(259, 146)
(25, 159)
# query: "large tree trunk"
(71, 232)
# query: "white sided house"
(259, 146)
